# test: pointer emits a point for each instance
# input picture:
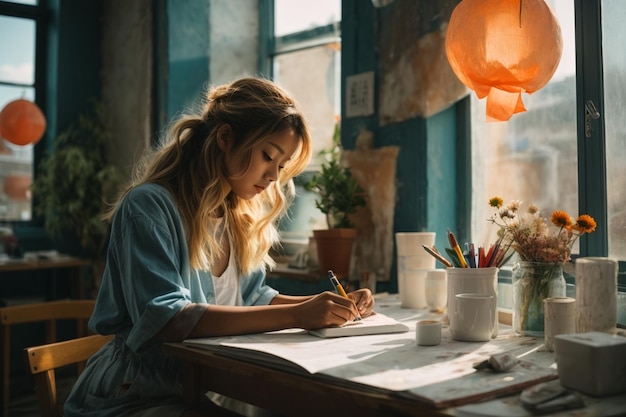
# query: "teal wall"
(74, 60)
(188, 53)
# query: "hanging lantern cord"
(520, 13)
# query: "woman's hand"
(364, 301)
(325, 310)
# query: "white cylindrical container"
(559, 316)
(413, 262)
(436, 290)
(596, 294)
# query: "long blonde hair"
(191, 165)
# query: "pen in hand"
(339, 288)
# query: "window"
(304, 59)
(533, 156)
(614, 63)
(18, 79)
(614, 91)
(561, 154)
(552, 154)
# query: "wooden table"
(286, 392)
(34, 262)
(292, 392)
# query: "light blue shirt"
(146, 281)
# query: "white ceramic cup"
(428, 332)
(436, 290)
(473, 318)
(413, 262)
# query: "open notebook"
(374, 324)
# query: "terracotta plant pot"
(334, 250)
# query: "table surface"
(51, 262)
(35, 261)
(348, 390)
(290, 393)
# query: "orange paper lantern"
(17, 187)
(22, 122)
(501, 48)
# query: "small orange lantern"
(501, 48)
(17, 187)
(22, 122)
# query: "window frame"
(592, 179)
(271, 46)
(592, 189)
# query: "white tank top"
(226, 286)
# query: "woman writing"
(189, 245)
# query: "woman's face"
(268, 159)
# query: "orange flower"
(585, 223)
(561, 219)
(496, 201)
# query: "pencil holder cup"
(473, 280)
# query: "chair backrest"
(45, 359)
(49, 312)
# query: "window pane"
(316, 89)
(17, 62)
(17, 56)
(16, 167)
(614, 56)
(297, 15)
(533, 156)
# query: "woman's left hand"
(364, 301)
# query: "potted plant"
(339, 196)
(74, 183)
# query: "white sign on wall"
(360, 94)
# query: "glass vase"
(532, 283)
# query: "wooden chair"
(45, 359)
(45, 312)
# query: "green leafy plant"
(339, 194)
(75, 180)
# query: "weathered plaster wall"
(416, 78)
(234, 40)
(127, 75)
